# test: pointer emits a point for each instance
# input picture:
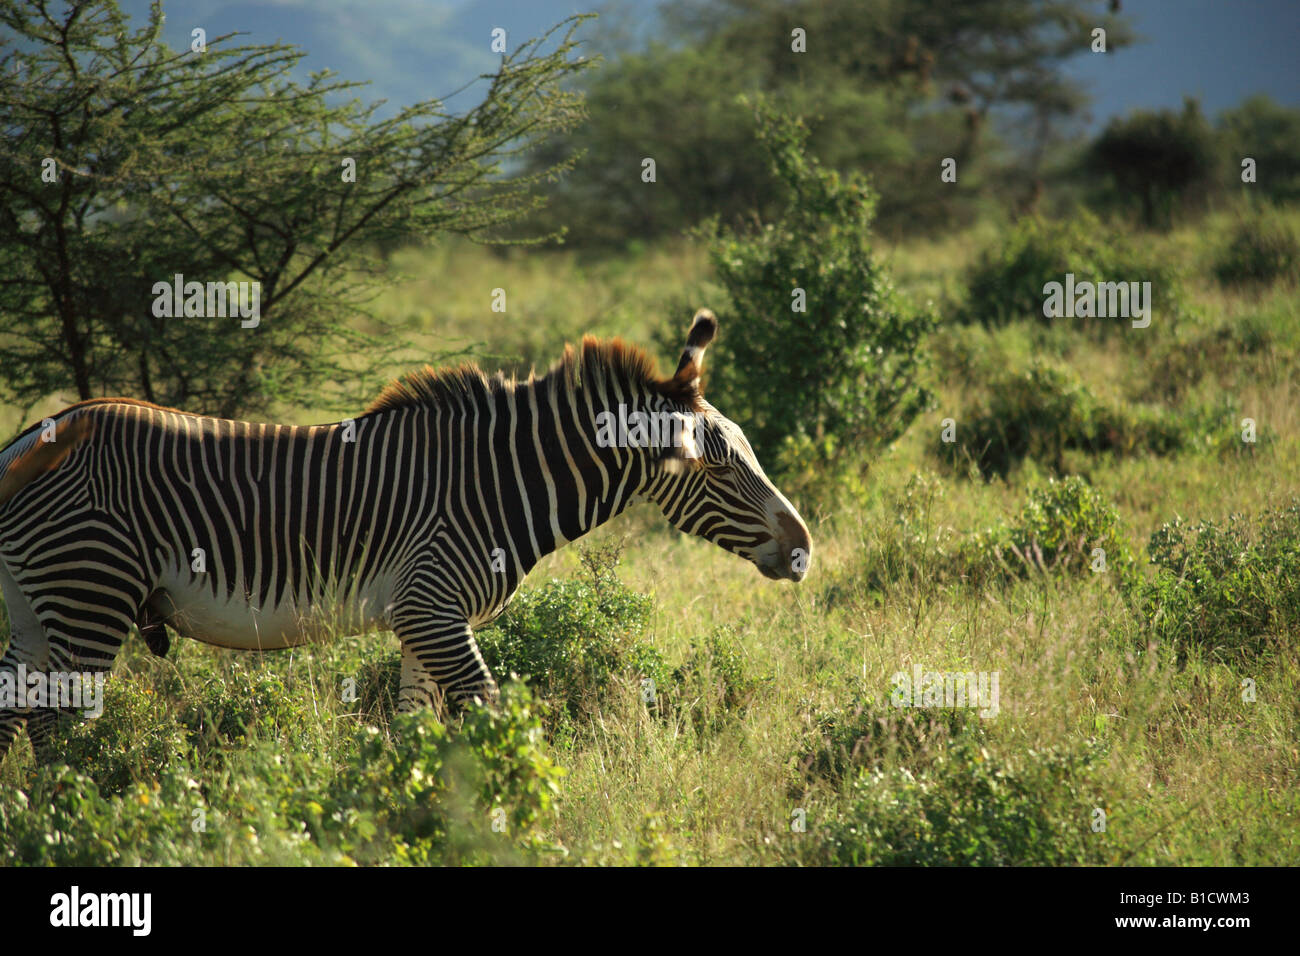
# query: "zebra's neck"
(582, 482)
(525, 465)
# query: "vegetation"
(1229, 587)
(915, 84)
(1118, 694)
(841, 353)
(1260, 250)
(574, 639)
(1065, 527)
(1007, 280)
(1158, 158)
(1046, 413)
(104, 198)
(971, 809)
(1113, 531)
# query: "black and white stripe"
(422, 515)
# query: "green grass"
(772, 704)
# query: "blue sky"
(1219, 50)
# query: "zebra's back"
(249, 535)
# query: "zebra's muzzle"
(788, 555)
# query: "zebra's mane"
(594, 365)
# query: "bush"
(62, 818)
(379, 684)
(1269, 133)
(135, 739)
(1245, 346)
(1259, 251)
(144, 728)
(864, 735)
(971, 808)
(247, 703)
(1057, 532)
(573, 639)
(433, 797)
(426, 795)
(712, 684)
(844, 374)
(1223, 586)
(1045, 411)
(1006, 282)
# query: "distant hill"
(413, 49)
(409, 50)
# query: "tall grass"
(770, 737)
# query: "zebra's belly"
(233, 621)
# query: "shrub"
(379, 683)
(844, 374)
(1057, 532)
(1261, 251)
(1224, 586)
(1006, 281)
(1045, 412)
(425, 795)
(912, 548)
(712, 685)
(1179, 363)
(62, 818)
(971, 808)
(433, 796)
(865, 735)
(572, 639)
(652, 845)
(246, 703)
(1268, 132)
(134, 739)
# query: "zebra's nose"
(796, 545)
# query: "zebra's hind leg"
(12, 683)
(81, 661)
(440, 661)
(28, 652)
(85, 621)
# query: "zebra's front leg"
(441, 663)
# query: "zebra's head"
(711, 484)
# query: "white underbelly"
(233, 621)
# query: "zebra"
(422, 515)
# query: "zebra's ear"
(686, 380)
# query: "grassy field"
(1123, 735)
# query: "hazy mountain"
(408, 49)
(414, 49)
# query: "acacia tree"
(124, 163)
(1156, 159)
